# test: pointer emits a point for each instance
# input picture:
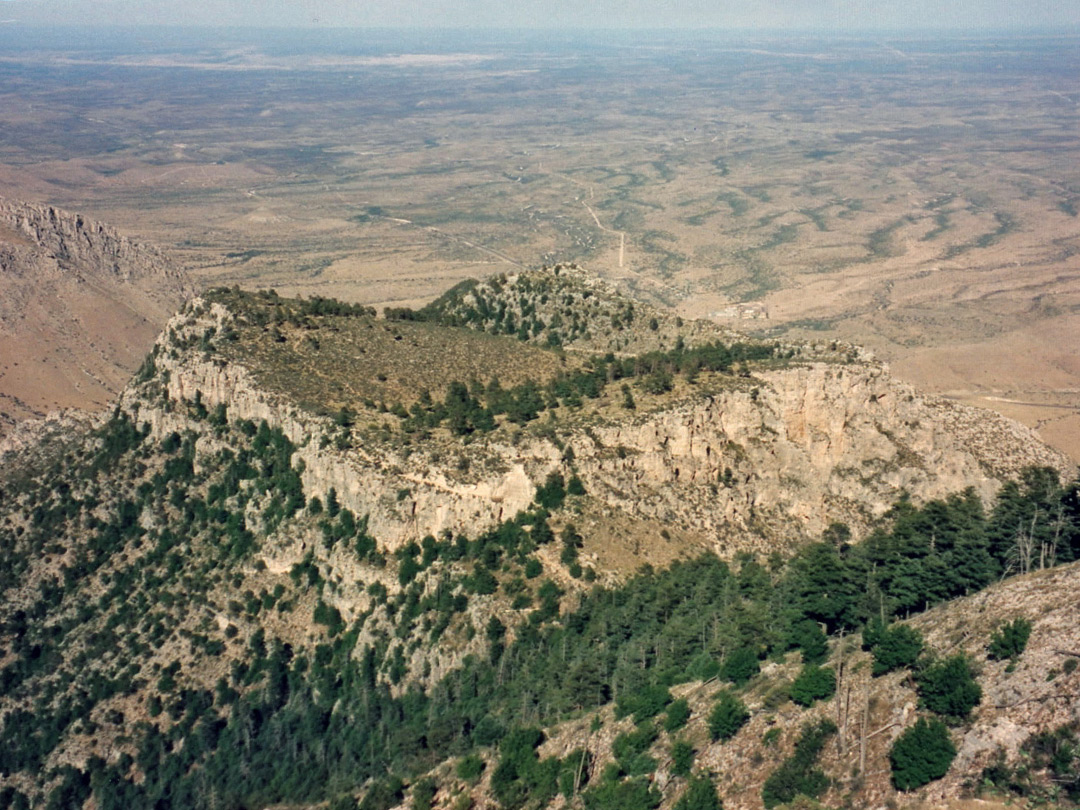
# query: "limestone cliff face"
(44, 244)
(404, 498)
(804, 446)
(773, 458)
(80, 305)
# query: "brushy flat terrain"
(325, 362)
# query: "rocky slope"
(79, 305)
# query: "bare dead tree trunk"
(865, 728)
(1029, 544)
(847, 716)
(581, 765)
(841, 718)
(1058, 525)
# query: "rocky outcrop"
(43, 245)
(33, 434)
(768, 459)
(80, 305)
(795, 449)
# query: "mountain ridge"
(781, 430)
(79, 305)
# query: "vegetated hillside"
(326, 356)
(80, 305)
(824, 722)
(564, 306)
(229, 594)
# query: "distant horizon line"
(1064, 28)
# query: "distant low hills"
(80, 304)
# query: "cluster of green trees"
(946, 687)
(947, 548)
(521, 777)
(267, 307)
(473, 407)
(489, 308)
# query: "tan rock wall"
(777, 458)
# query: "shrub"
(519, 772)
(629, 750)
(552, 494)
(814, 683)
(797, 774)
(948, 687)
(470, 768)
(487, 732)
(677, 715)
(423, 793)
(574, 772)
(740, 666)
(384, 794)
(633, 794)
(647, 702)
(346, 801)
(727, 717)
(482, 581)
(574, 486)
(408, 570)
(1010, 640)
(1057, 754)
(921, 754)
(699, 795)
(896, 647)
(659, 382)
(682, 758)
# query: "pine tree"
(699, 795)
(948, 687)
(921, 754)
(812, 684)
(895, 647)
(727, 717)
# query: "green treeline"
(267, 307)
(473, 407)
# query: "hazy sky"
(830, 15)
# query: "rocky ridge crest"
(771, 457)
